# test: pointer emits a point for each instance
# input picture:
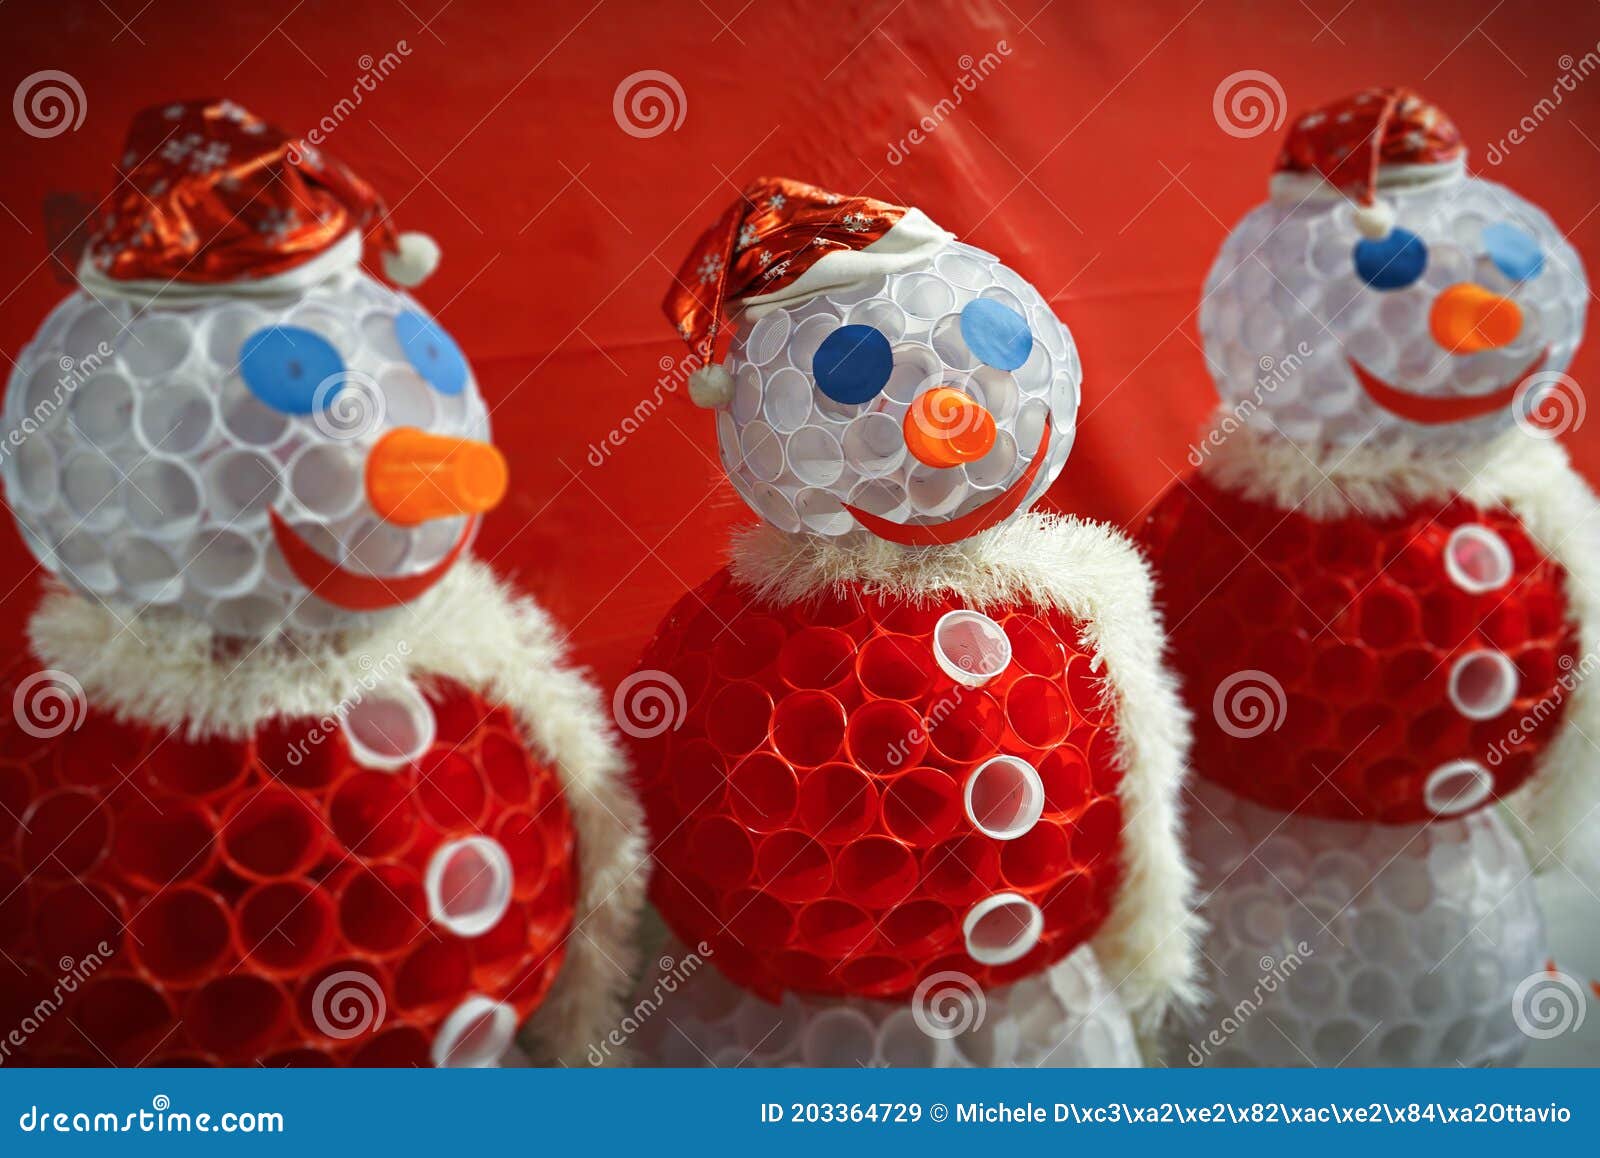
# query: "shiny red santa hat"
(212, 200)
(782, 242)
(1360, 145)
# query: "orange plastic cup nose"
(414, 476)
(945, 428)
(1468, 319)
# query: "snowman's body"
(303, 783)
(280, 898)
(1378, 585)
(1065, 1016)
(881, 767)
(1345, 944)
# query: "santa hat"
(1356, 147)
(212, 200)
(782, 242)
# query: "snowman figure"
(1379, 581)
(289, 778)
(910, 761)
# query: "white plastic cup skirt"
(1358, 944)
(1068, 1015)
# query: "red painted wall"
(1088, 157)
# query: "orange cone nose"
(414, 476)
(945, 427)
(1468, 319)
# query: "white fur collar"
(1093, 574)
(1375, 478)
(170, 671)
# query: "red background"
(1089, 159)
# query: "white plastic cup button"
(838, 1037)
(1002, 928)
(1483, 684)
(1004, 797)
(970, 648)
(1477, 559)
(1457, 787)
(468, 884)
(390, 726)
(475, 1035)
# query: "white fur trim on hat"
(1092, 573)
(344, 254)
(912, 239)
(172, 671)
(1395, 178)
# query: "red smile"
(352, 590)
(997, 509)
(1437, 411)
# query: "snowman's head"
(1383, 293)
(301, 449)
(880, 378)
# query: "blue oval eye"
(997, 334)
(284, 366)
(1392, 262)
(853, 364)
(431, 352)
(1514, 251)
